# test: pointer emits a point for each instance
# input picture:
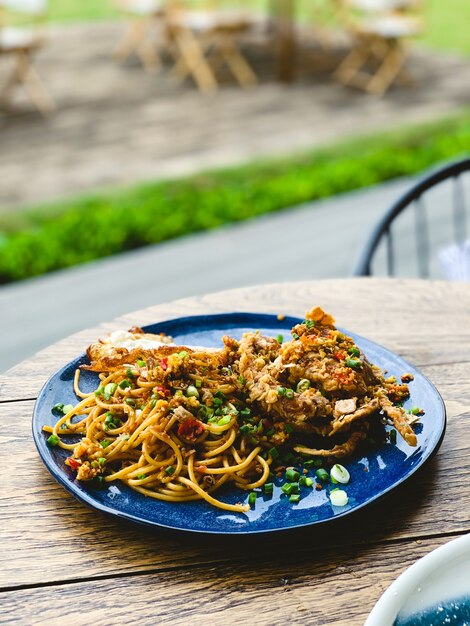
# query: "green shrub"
(85, 229)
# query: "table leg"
(287, 49)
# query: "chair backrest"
(404, 242)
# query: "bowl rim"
(393, 599)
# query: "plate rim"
(85, 497)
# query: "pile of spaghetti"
(176, 423)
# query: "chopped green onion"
(58, 407)
(354, 351)
(416, 410)
(281, 391)
(67, 408)
(99, 391)
(170, 470)
(340, 474)
(294, 499)
(111, 421)
(270, 432)
(109, 389)
(152, 403)
(309, 323)
(393, 436)
(192, 392)
(183, 354)
(289, 488)
(268, 489)
(245, 429)
(219, 394)
(302, 481)
(130, 373)
(292, 475)
(274, 454)
(224, 420)
(141, 476)
(280, 338)
(197, 383)
(252, 499)
(289, 393)
(338, 497)
(322, 474)
(53, 440)
(101, 460)
(241, 380)
(288, 428)
(105, 443)
(217, 402)
(303, 385)
(354, 364)
(141, 363)
(245, 413)
(312, 463)
(308, 482)
(124, 384)
(295, 336)
(130, 401)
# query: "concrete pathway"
(319, 240)
(117, 125)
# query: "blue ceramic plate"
(372, 476)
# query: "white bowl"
(439, 577)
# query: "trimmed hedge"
(85, 229)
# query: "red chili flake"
(163, 391)
(191, 429)
(74, 464)
(164, 363)
(340, 356)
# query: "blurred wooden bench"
(145, 17)
(21, 42)
(205, 40)
(379, 30)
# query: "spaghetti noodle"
(176, 423)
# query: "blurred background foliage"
(83, 229)
(447, 21)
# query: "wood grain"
(425, 322)
(335, 586)
(62, 562)
(37, 502)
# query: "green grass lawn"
(447, 21)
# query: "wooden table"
(62, 563)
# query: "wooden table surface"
(62, 563)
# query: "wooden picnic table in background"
(62, 563)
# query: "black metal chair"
(382, 237)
